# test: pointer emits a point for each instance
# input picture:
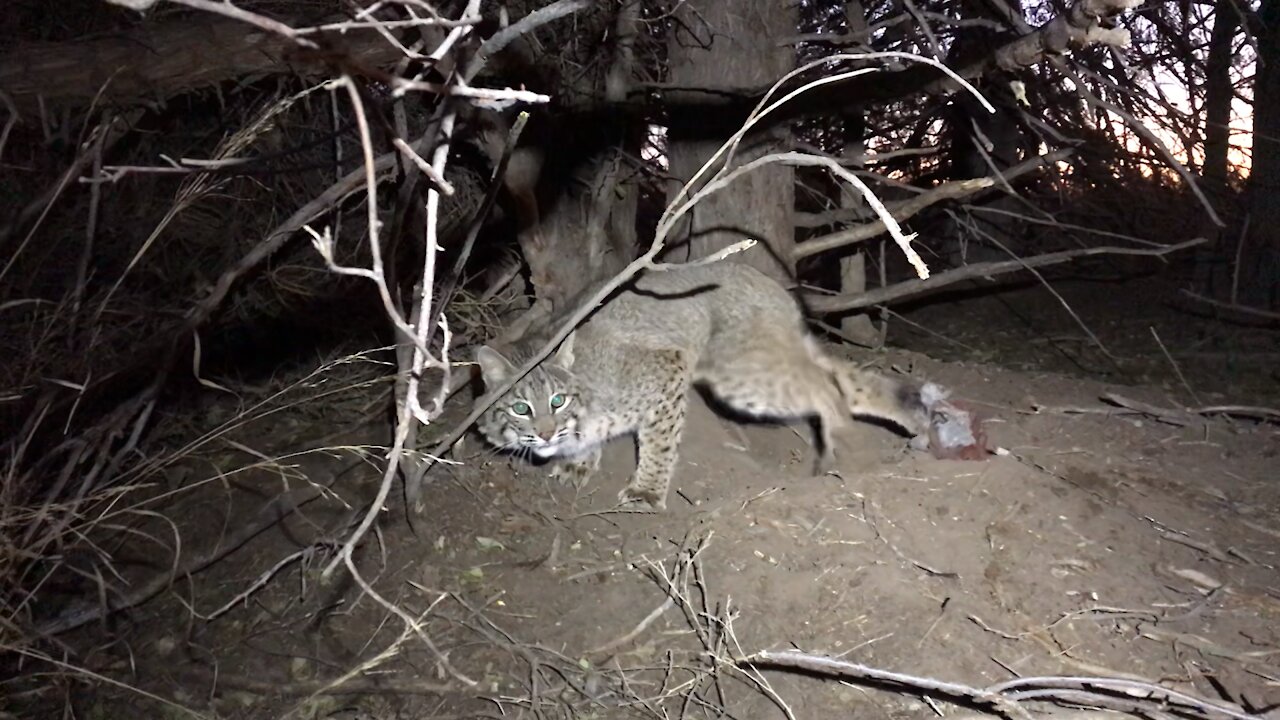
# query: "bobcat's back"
(691, 308)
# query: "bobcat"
(724, 326)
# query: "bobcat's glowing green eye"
(521, 408)
(557, 401)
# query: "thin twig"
(1084, 327)
(274, 512)
(295, 688)
(14, 117)
(409, 410)
(99, 677)
(412, 625)
(1234, 307)
(635, 632)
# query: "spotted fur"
(724, 326)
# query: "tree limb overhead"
(161, 59)
(1087, 22)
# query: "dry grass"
(104, 425)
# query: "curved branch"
(901, 212)
(907, 208)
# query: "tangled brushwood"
(248, 251)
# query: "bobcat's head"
(541, 413)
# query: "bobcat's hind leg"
(783, 387)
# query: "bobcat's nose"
(545, 430)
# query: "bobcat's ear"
(564, 356)
(493, 367)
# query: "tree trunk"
(1260, 262)
(733, 44)
(576, 201)
(853, 266)
(1219, 95)
(982, 143)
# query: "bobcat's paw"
(824, 464)
(574, 474)
(642, 500)
(576, 470)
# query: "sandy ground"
(1095, 544)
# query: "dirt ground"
(1096, 543)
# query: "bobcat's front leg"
(660, 428)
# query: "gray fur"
(725, 326)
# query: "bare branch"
(1233, 307)
(915, 288)
(900, 211)
(907, 208)
(1087, 22)
(1177, 416)
(1133, 695)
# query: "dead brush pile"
(108, 355)
(156, 255)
